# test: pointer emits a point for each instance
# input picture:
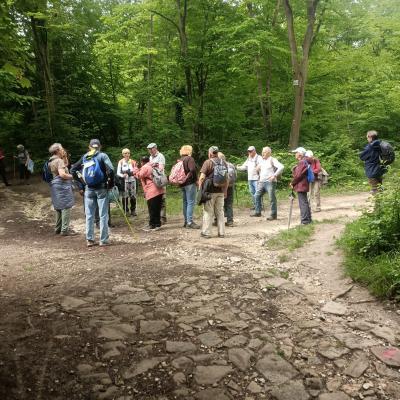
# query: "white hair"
(55, 147)
(266, 149)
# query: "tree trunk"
(42, 54)
(149, 76)
(299, 64)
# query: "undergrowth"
(372, 243)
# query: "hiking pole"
(291, 199)
(124, 214)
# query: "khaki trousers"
(214, 207)
(315, 195)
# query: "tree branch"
(166, 18)
(292, 36)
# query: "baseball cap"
(94, 143)
(251, 148)
(300, 150)
(309, 153)
(151, 145)
(213, 149)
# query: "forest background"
(206, 72)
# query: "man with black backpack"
(97, 172)
(376, 155)
(214, 174)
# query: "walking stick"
(124, 214)
(292, 196)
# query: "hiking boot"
(203, 235)
(90, 243)
(193, 225)
(155, 228)
(133, 213)
(230, 223)
(221, 236)
(68, 233)
(254, 214)
(57, 231)
(271, 218)
(102, 244)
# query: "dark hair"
(145, 159)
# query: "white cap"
(309, 153)
(251, 148)
(151, 145)
(300, 150)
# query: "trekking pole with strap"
(124, 214)
(292, 196)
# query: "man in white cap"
(250, 165)
(300, 185)
(315, 187)
(158, 160)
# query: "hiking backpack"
(159, 178)
(310, 173)
(47, 176)
(220, 173)
(92, 173)
(387, 153)
(178, 175)
(232, 175)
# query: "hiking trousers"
(63, 218)
(314, 195)
(96, 198)
(214, 207)
(154, 206)
(270, 188)
(188, 202)
(228, 205)
(305, 210)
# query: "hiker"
(62, 195)
(3, 167)
(371, 157)
(125, 169)
(189, 189)
(23, 160)
(214, 177)
(228, 200)
(315, 187)
(158, 160)
(152, 193)
(97, 172)
(269, 169)
(301, 185)
(250, 165)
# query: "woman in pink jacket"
(152, 193)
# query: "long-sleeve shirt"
(126, 167)
(250, 165)
(270, 167)
(158, 159)
(190, 169)
(145, 174)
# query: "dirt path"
(166, 315)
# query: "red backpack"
(178, 175)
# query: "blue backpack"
(310, 173)
(47, 176)
(92, 173)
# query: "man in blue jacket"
(371, 155)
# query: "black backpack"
(47, 176)
(387, 153)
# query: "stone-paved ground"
(173, 318)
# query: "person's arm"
(300, 171)
(63, 174)
(119, 170)
(364, 155)
(279, 167)
(244, 166)
(202, 179)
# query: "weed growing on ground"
(291, 239)
(283, 258)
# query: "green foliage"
(291, 239)
(372, 243)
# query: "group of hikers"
(95, 177)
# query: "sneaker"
(203, 235)
(146, 228)
(155, 228)
(102, 244)
(254, 214)
(69, 233)
(133, 214)
(193, 225)
(221, 236)
(90, 243)
(230, 223)
(271, 218)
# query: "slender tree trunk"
(261, 96)
(42, 54)
(149, 77)
(299, 64)
(110, 71)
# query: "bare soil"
(165, 315)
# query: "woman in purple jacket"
(300, 185)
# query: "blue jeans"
(253, 190)
(270, 188)
(189, 199)
(96, 198)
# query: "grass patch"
(291, 239)
(282, 258)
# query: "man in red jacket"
(300, 185)
(315, 187)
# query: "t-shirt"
(55, 164)
(270, 167)
(208, 169)
(158, 159)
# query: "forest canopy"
(225, 72)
